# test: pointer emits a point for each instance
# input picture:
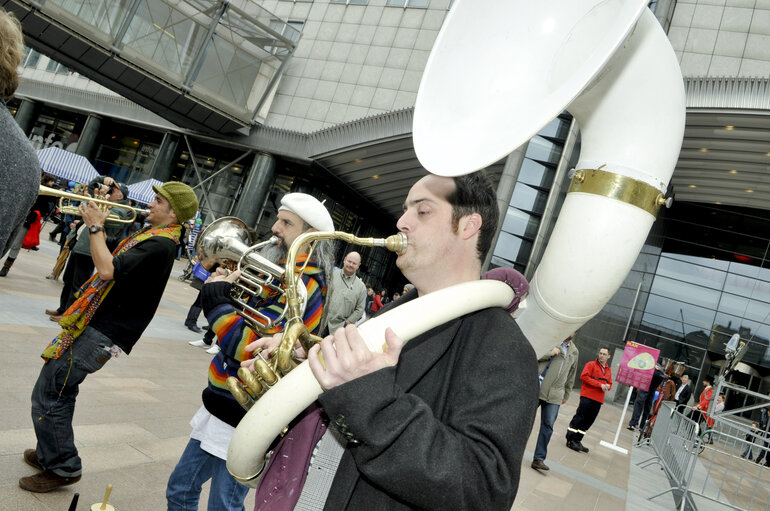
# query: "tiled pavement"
(131, 421)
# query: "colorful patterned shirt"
(234, 334)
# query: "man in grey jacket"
(557, 370)
(346, 296)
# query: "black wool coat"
(443, 429)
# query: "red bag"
(32, 239)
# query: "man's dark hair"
(474, 194)
(605, 348)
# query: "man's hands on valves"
(221, 275)
(92, 214)
(345, 355)
(268, 345)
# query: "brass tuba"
(267, 372)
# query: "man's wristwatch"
(95, 228)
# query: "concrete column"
(163, 166)
(87, 140)
(505, 192)
(256, 189)
(27, 114)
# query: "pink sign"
(637, 366)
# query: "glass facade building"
(702, 276)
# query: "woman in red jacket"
(378, 300)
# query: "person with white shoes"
(200, 343)
(210, 348)
(207, 343)
(213, 425)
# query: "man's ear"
(470, 225)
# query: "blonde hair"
(11, 52)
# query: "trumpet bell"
(66, 207)
(545, 54)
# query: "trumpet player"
(80, 264)
(109, 316)
(205, 456)
(440, 423)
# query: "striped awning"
(142, 191)
(66, 165)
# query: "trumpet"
(68, 209)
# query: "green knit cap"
(181, 197)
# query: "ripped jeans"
(53, 401)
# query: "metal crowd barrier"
(676, 444)
(712, 464)
(723, 475)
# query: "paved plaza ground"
(131, 419)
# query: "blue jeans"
(642, 409)
(548, 414)
(747, 452)
(53, 401)
(195, 467)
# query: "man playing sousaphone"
(438, 423)
(214, 423)
(108, 317)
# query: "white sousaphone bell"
(500, 71)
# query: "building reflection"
(698, 285)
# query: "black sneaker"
(195, 328)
